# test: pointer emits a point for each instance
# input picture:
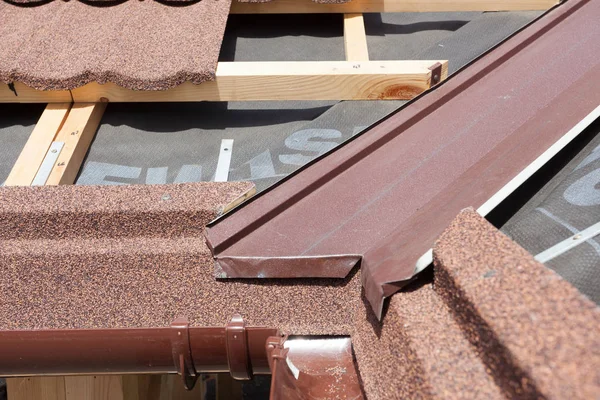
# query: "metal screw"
(489, 274)
(166, 197)
(53, 151)
(576, 237)
(436, 77)
(226, 149)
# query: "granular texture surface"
(419, 352)
(135, 256)
(140, 45)
(494, 324)
(537, 335)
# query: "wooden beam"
(322, 80)
(103, 387)
(36, 388)
(37, 145)
(77, 134)
(25, 94)
(379, 6)
(355, 38)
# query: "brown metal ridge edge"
(176, 349)
(334, 266)
(388, 194)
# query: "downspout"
(180, 349)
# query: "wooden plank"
(25, 94)
(319, 80)
(355, 38)
(379, 6)
(99, 387)
(245, 196)
(37, 145)
(77, 133)
(36, 388)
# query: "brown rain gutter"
(177, 349)
(386, 195)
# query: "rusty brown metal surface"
(313, 368)
(177, 349)
(384, 197)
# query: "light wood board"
(379, 6)
(319, 80)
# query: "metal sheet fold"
(388, 194)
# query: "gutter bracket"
(275, 350)
(436, 74)
(236, 338)
(182, 352)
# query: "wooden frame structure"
(357, 78)
(248, 81)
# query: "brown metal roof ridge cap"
(536, 333)
(443, 93)
(221, 236)
(230, 212)
(177, 349)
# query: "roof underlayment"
(566, 205)
(455, 138)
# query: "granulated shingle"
(536, 333)
(495, 324)
(419, 352)
(135, 256)
(140, 45)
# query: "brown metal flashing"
(312, 368)
(177, 349)
(385, 196)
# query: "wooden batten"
(380, 6)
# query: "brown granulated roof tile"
(537, 333)
(140, 45)
(134, 256)
(494, 323)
